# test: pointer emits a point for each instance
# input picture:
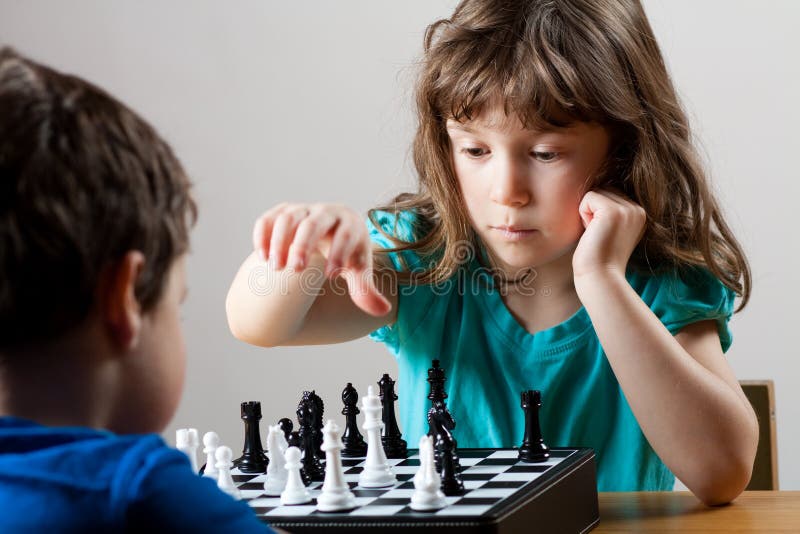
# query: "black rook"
(253, 459)
(533, 448)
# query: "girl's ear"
(119, 309)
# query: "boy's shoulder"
(89, 479)
(76, 458)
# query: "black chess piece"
(393, 443)
(253, 459)
(533, 448)
(436, 380)
(286, 427)
(294, 440)
(441, 423)
(318, 409)
(353, 441)
(451, 469)
(439, 417)
(311, 458)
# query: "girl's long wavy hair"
(552, 63)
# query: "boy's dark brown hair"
(83, 180)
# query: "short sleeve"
(697, 295)
(401, 226)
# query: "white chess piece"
(186, 441)
(427, 482)
(295, 491)
(336, 494)
(377, 473)
(210, 445)
(276, 469)
(224, 464)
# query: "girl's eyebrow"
(455, 125)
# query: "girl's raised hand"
(289, 234)
(613, 224)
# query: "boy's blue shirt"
(489, 359)
(72, 479)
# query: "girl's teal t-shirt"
(489, 359)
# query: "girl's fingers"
(308, 234)
(364, 293)
(262, 229)
(343, 243)
(283, 234)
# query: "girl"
(563, 237)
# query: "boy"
(95, 212)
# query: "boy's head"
(95, 211)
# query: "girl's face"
(522, 188)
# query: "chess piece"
(376, 472)
(294, 440)
(436, 380)
(253, 459)
(336, 495)
(295, 491)
(187, 442)
(317, 411)
(277, 475)
(286, 426)
(210, 445)
(451, 469)
(306, 415)
(223, 465)
(446, 459)
(352, 439)
(533, 448)
(427, 493)
(393, 443)
(439, 417)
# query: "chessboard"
(503, 494)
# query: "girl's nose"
(510, 182)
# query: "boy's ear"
(120, 310)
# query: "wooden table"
(680, 511)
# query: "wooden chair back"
(761, 395)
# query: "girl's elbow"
(243, 329)
(726, 486)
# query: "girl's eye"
(546, 156)
(473, 152)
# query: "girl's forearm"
(266, 307)
(693, 419)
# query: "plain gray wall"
(268, 101)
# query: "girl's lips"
(514, 234)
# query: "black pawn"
(533, 448)
(352, 439)
(393, 443)
(253, 459)
(286, 427)
(294, 440)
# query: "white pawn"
(295, 492)
(186, 441)
(427, 492)
(336, 494)
(276, 469)
(377, 473)
(210, 445)
(225, 480)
